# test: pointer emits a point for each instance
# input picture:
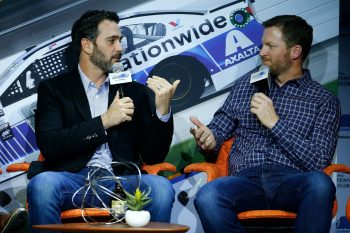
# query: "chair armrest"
(336, 168)
(87, 212)
(150, 169)
(347, 210)
(156, 168)
(329, 171)
(213, 170)
(17, 167)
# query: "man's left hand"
(164, 91)
(262, 107)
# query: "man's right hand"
(203, 135)
(119, 111)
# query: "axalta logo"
(239, 47)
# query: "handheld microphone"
(261, 79)
(117, 67)
(119, 76)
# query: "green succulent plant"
(137, 200)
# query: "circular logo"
(240, 17)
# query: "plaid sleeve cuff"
(279, 129)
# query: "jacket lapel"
(79, 95)
(113, 132)
(112, 92)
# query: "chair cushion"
(265, 214)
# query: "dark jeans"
(309, 194)
(51, 192)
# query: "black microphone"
(262, 79)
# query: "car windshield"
(139, 35)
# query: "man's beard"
(101, 61)
(280, 66)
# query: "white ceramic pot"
(137, 218)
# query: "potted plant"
(135, 216)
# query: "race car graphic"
(201, 53)
(206, 50)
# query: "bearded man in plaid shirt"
(284, 139)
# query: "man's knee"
(207, 195)
(43, 185)
(320, 184)
(161, 188)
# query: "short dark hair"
(295, 30)
(86, 26)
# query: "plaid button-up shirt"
(304, 137)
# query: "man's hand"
(262, 107)
(119, 111)
(203, 135)
(164, 91)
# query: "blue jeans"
(309, 194)
(49, 193)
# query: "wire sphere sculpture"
(95, 188)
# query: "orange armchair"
(348, 210)
(259, 219)
(95, 213)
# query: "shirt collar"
(87, 82)
(305, 79)
(302, 81)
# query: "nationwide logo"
(137, 57)
(240, 18)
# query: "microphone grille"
(117, 67)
